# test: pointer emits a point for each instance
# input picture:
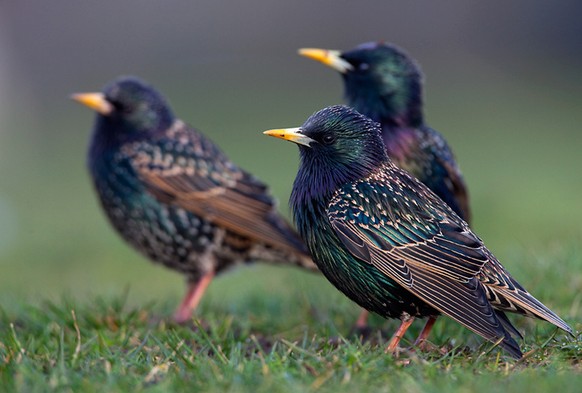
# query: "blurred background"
(503, 84)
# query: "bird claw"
(427, 346)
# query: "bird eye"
(120, 106)
(363, 66)
(328, 139)
(116, 104)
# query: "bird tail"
(511, 346)
(507, 324)
(304, 261)
(291, 250)
(285, 257)
(522, 302)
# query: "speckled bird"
(382, 82)
(388, 242)
(175, 196)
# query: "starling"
(382, 82)
(173, 195)
(388, 242)
(385, 84)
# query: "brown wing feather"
(428, 253)
(506, 294)
(235, 208)
(422, 269)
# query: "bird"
(388, 242)
(174, 196)
(383, 82)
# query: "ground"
(297, 339)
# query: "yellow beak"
(331, 58)
(95, 101)
(292, 135)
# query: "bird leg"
(421, 340)
(361, 328)
(362, 322)
(193, 295)
(395, 340)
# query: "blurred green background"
(503, 84)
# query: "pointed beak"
(331, 58)
(95, 101)
(292, 135)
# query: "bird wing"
(506, 294)
(455, 182)
(457, 186)
(416, 240)
(189, 171)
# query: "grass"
(292, 340)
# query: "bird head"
(128, 108)
(337, 145)
(381, 81)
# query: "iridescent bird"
(388, 242)
(382, 82)
(175, 196)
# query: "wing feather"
(205, 182)
(436, 259)
(455, 182)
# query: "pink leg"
(362, 321)
(420, 341)
(192, 298)
(395, 340)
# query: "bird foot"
(395, 351)
(427, 346)
(182, 316)
(404, 355)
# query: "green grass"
(292, 340)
